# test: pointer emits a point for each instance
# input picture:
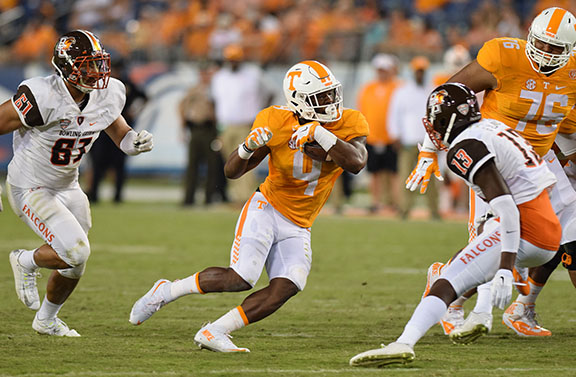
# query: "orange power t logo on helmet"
(292, 75)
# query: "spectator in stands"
(373, 102)
(199, 129)
(104, 155)
(407, 108)
(239, 93)
(36, 42)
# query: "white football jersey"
(522, 168)
(56, 133)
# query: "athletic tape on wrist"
(325, 138)
(244, 153)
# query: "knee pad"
(78, 254)
(569, 255)
(74, 272)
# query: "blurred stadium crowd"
(271, 31)
(162, 44)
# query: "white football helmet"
(313, 92)
(555, 26)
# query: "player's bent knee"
(77, 254)
(553, 263)
(236, 282)
(568, 256)
(282, 290)
(444, 290)
(298, 275)
(74, 272)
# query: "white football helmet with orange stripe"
(80, 59)
(313, 92)
(554, 26)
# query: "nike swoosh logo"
(93, 123)
(551, 160)
(559, 87)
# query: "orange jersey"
(568, 125)
(373, 102)
(298, 186)
(530, 102)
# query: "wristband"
(244, 153)
(127, 143)
(325, 138)
(427, 145)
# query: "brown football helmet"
(80, 59)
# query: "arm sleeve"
(505, 208)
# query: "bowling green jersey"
(298, 186)
(532, 103)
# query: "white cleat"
(453, 318)
(475, 326)
(151, 302)
(393, 353)
(521, 318)
(211, 338)
(53, 326)
(25, 281)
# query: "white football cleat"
(393, 353)
(521, 318)
(454, 317)
(25, 281)
(53, 326)
(151, 302)
(475, 326)
(211, 338)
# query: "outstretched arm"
(9, 120)
(502, 203)
(475, 77)
(478, 79)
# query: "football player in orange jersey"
(530, 86)
(273, 229)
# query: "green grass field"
(367, 277)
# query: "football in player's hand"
(315, 151)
